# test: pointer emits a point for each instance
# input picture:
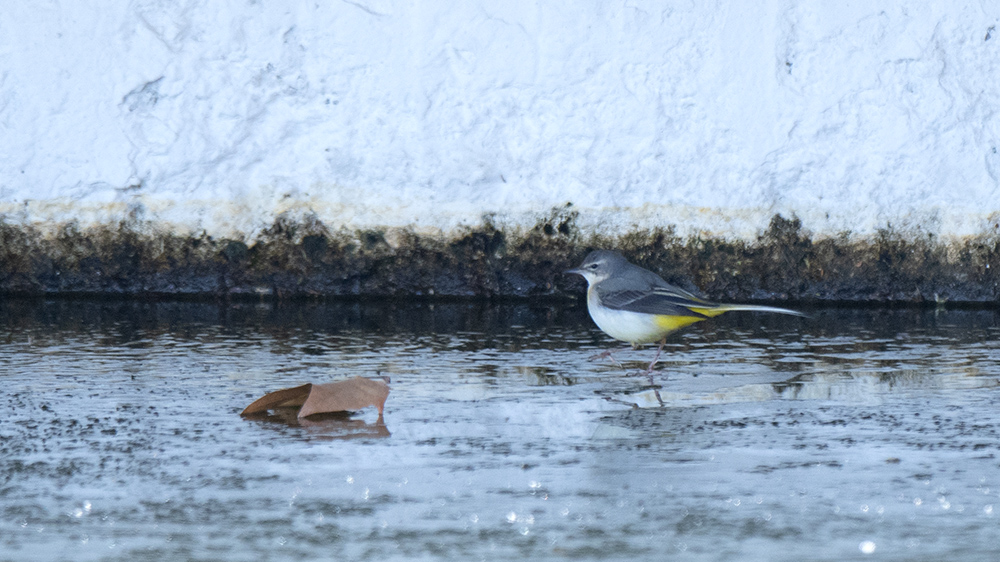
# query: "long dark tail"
(717, 309)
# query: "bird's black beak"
(573, 271)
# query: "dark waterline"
(858, 433)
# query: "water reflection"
(827, 383)
(858, 427)
(303, 327)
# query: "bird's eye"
(592, 266)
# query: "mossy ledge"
(305, 258)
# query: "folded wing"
(661, 300)
(672, 301)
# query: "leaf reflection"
(331, 426)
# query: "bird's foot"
(598, 356)
(604, 355)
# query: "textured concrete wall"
(374, 124)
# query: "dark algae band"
(303, 259)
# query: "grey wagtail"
(637, 306)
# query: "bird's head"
(599, 265)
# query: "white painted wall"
(712, 116)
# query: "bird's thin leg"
(656, 358)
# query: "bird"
(637, 306)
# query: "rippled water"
(850, 435)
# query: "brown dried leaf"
(279, 398)
(341, 396)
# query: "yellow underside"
(671, 323)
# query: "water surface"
(856, 434)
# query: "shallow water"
(855, 434)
